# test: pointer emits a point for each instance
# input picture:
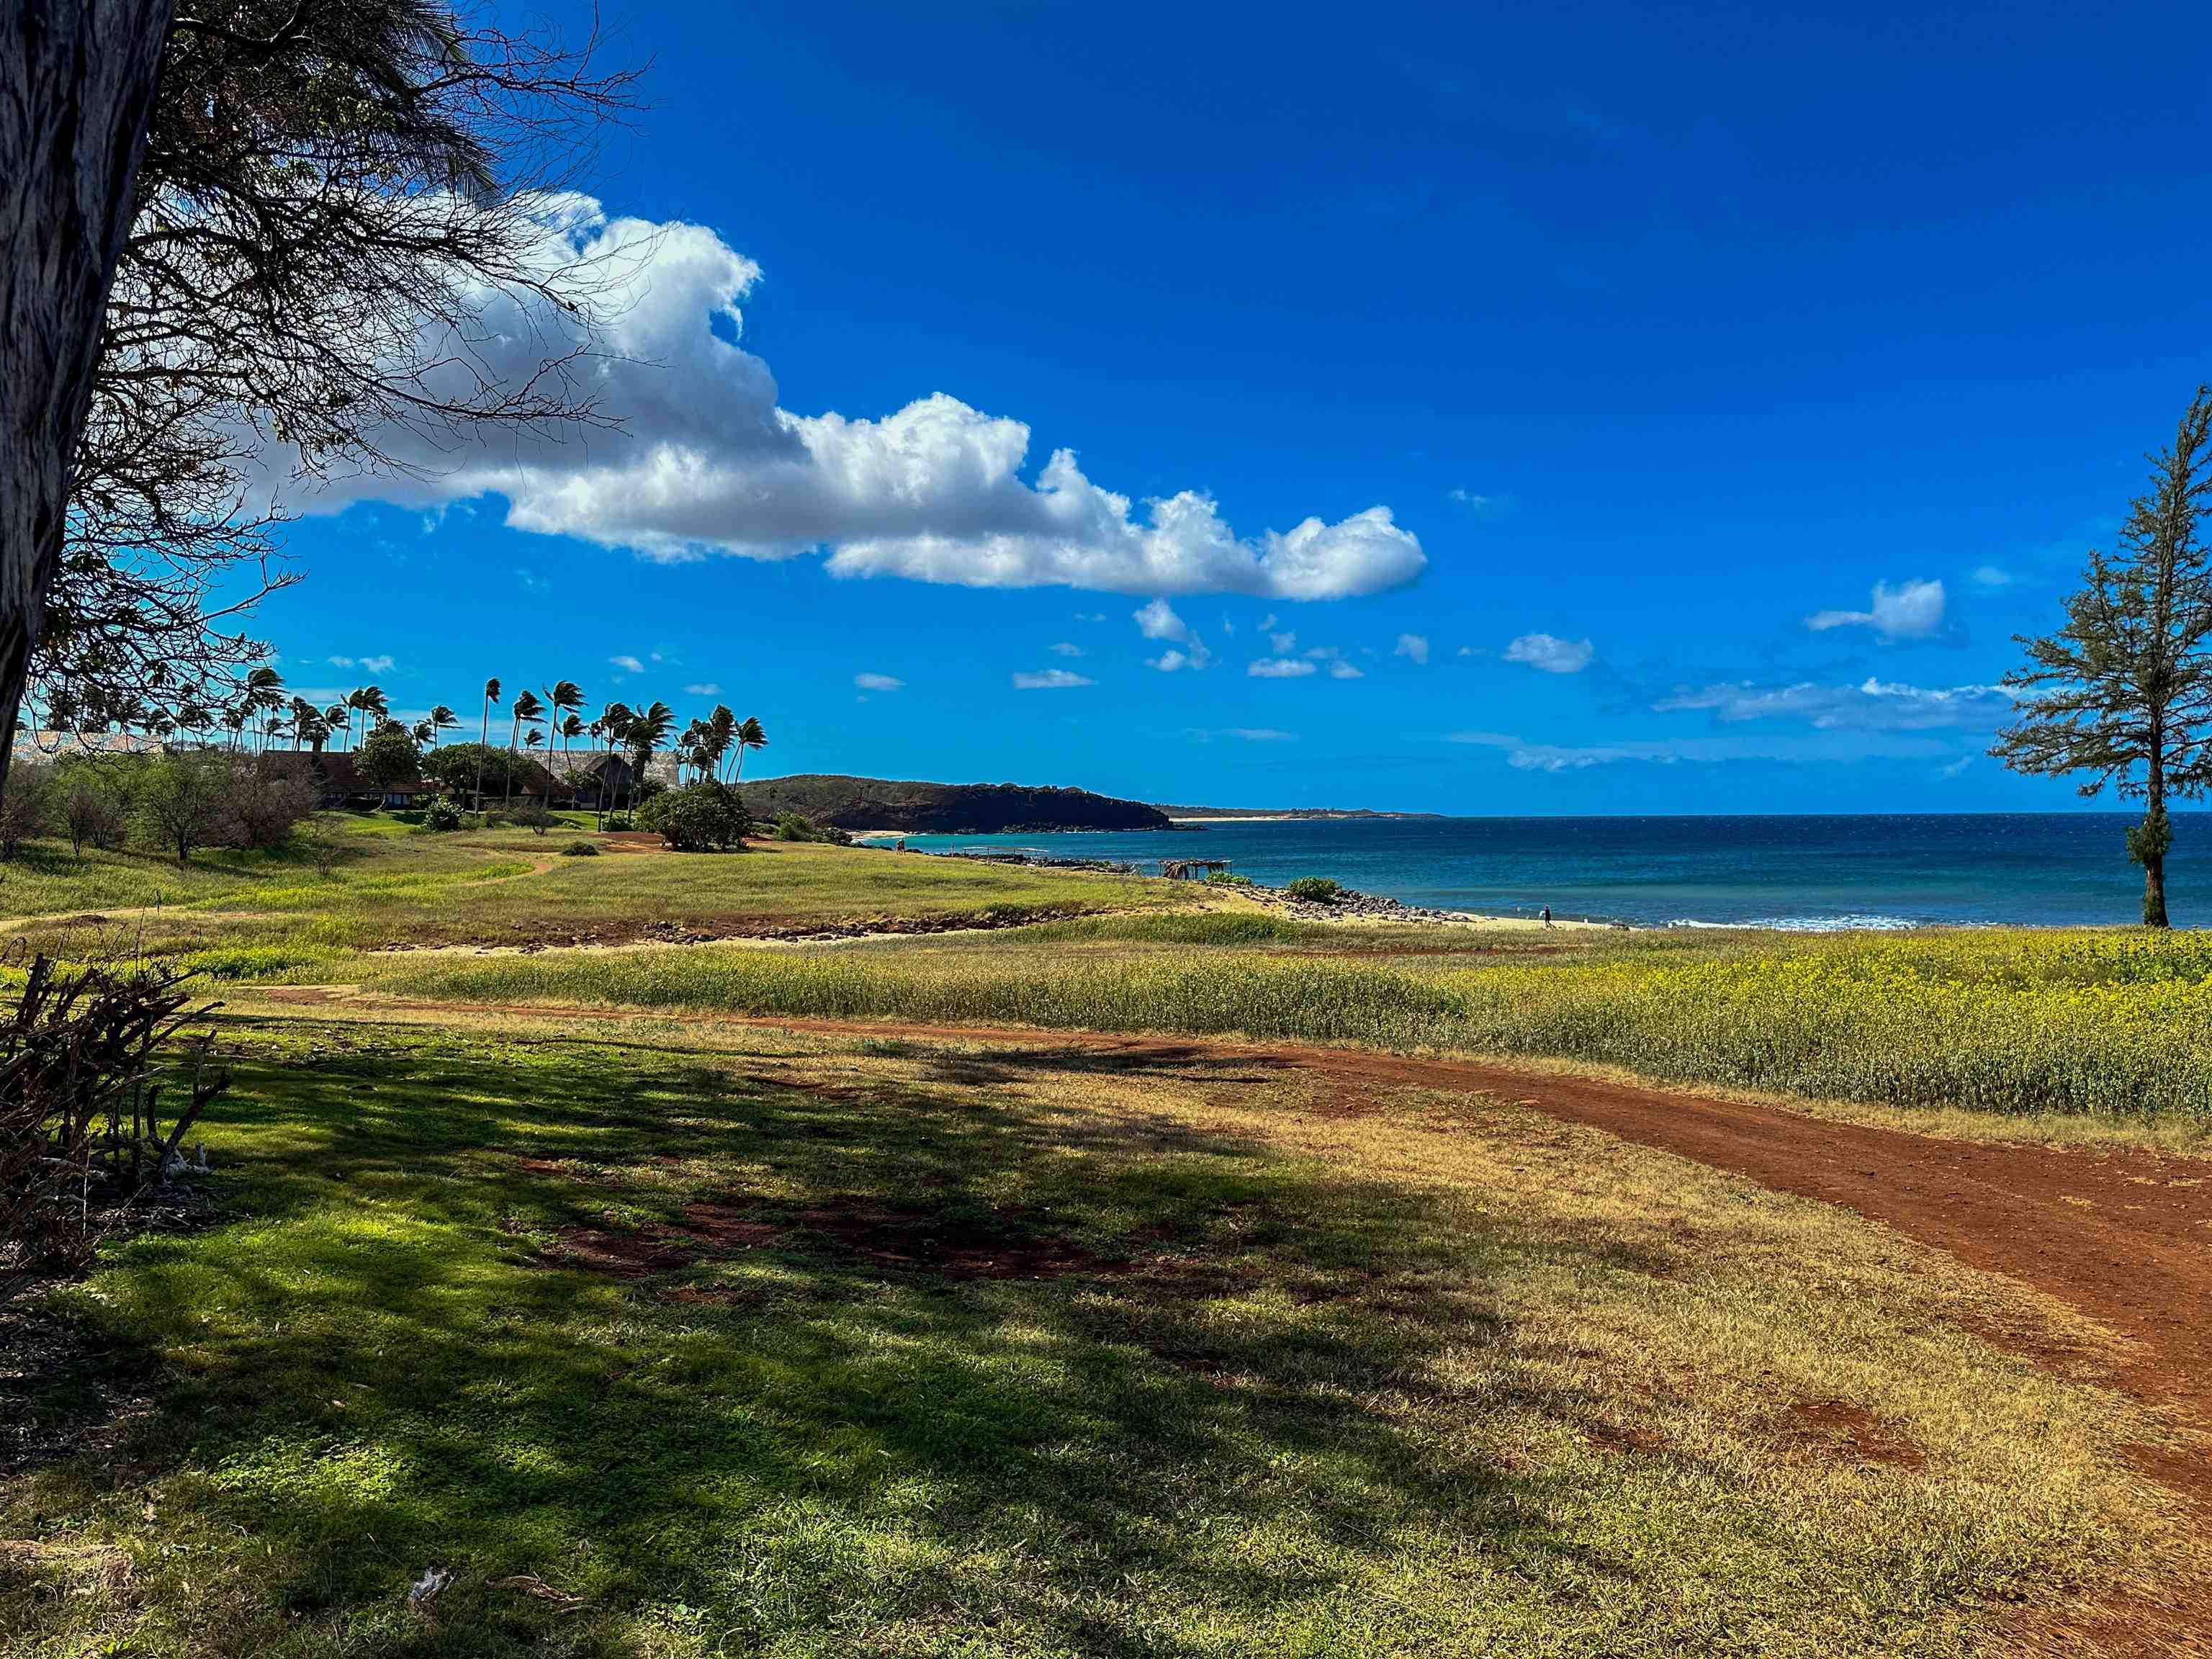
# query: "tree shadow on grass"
(1219, 1426)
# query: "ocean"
(1816, 874)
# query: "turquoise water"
(1796, 872)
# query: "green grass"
(1447, 1380)
(2110, 1025)
(395, 886)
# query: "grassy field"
(2107, 1026)
(672, 1345)
(390, 887)
(2113, 1025)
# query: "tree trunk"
(2157, 832)
(76, 92)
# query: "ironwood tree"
(77, 81)
(2123, 692)
(317, 201)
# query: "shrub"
(621, 821)
(96, 806)
(1229, 878)
(699, 817)
(790, 826)
(324, 838)
(581, 849)
(533, 814)
(1315, 890)
(265, 808)
(26, 806)
(442, 817)
(184, 799)
(388, 757)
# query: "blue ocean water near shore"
(2029, 869)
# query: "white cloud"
(702, 458)
(1482, 507)
(709, 689)
(1049, 679)
(878, 683)
(1065, 649)
(1989, 576)
(1415, 646)
(367, 664)
(1340, 670)
(1874, 705)
(1158, 621)
(1817, 749)
(1280, 668)
(1262, 734)
(627, 665)
(1550, 653)
(1955, 766)
(1909, 611)
(1267, 621)
(1282, 644)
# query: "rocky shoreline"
(1348, 905)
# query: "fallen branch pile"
(86, 1058)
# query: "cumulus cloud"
(1049, 679)
(627, 665)
(1158, 621)
(703, 459)
(1415, 646)
(709, 689)
(1550, 653)
(1989, 576)
(1340, 670)
(1281, 668)
(367, 664)
(1909, 611)
(1874, 705)
(1065, 649)
(1282, 644)
(878, 683)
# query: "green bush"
(700, 817)
(790, 826)
(442, 817)
(581, 849)
(1315, 890)
(1229, 878)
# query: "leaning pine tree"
(2123, 692)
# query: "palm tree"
(721, 733)
(648, 730)
(336, 717)
(265, 694)
(374, 711)
(612, 727)
(749, 736)
(442, 719)
(528, 709)
(564, 699)
(483, 738)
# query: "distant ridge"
(1288, 812)
(945, 809)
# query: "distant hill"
(945, 809)
(1288, 812)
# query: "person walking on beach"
(1547, 916)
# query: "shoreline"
(1353, 909)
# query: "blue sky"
(1731, 387)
